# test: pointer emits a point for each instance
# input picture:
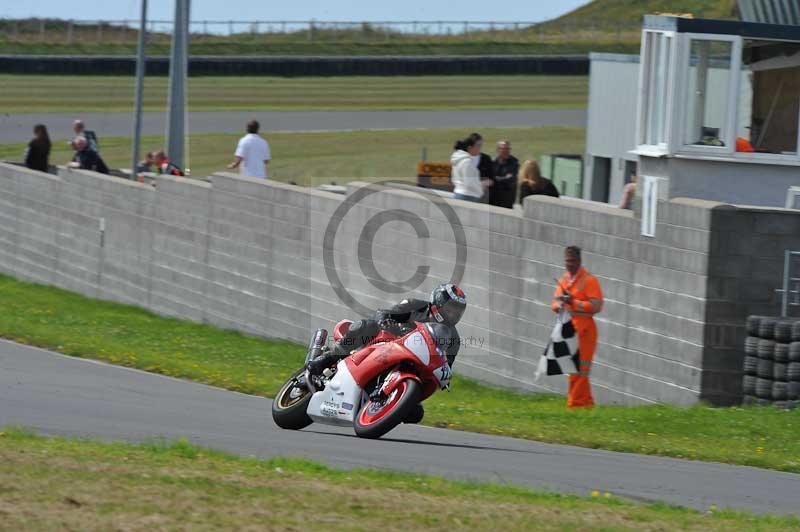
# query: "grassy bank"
(80, 94)
(322, 157)
(50, 483)
(55, 319)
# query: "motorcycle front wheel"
(290, 405)
(377, 417)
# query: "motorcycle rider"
(446, 306)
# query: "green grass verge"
(80, 94)
(75, 325)
(55, 483)
(322, 157)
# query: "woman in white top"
(465, 176)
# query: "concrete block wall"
(747, 254)
(248, 255)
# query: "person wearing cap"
(579, 293)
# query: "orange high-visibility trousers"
(580, 390)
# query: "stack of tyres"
(772, 362)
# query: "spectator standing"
(165, 166)
(37, 154)
(533, 183)
(485, 164)
(252, 153)
(628, 192)
(579, 293)
(79, 128)
(505, 169)
(466, 177)
(85, 158)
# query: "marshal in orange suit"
(579, 292)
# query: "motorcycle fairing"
(339, 402)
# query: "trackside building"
(708, 110)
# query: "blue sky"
(511, 10)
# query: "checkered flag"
(560, 357)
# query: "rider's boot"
(415, 415)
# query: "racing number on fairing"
(443, 375)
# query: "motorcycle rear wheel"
(289, 408)
(376, 418)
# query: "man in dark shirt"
(86, 158)
(505, 169)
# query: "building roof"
(753, 30)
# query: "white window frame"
(646, 89)
(728, 135)
(774, 158)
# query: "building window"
(768, 108)
(655, 75)
(708, 95)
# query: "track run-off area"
(55, 394)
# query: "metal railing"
(124, 31)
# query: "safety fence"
(303, 66)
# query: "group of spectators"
(251, 156)
(85, 144)
(479, 178)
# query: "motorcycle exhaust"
(316, 344)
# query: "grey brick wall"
(248, 255)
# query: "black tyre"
(766, 328)
(376, 418)
(783, 331)
(764, 402)
(763, 388)
(787, 405)
(780, 372)
(781, 353)
(793, 371)
(793, 391)
(794, 352)
(766, 349)
(753, 323)
(751, 346)
(290, 405)
(749, 385)
(796, 331)
(415, 415)
(764, 369)
(749, 400)
(750, 365)
(779, 391)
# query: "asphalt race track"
(17, 128)
(56, 394)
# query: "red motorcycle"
(375, 388)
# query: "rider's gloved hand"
(393, 327)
